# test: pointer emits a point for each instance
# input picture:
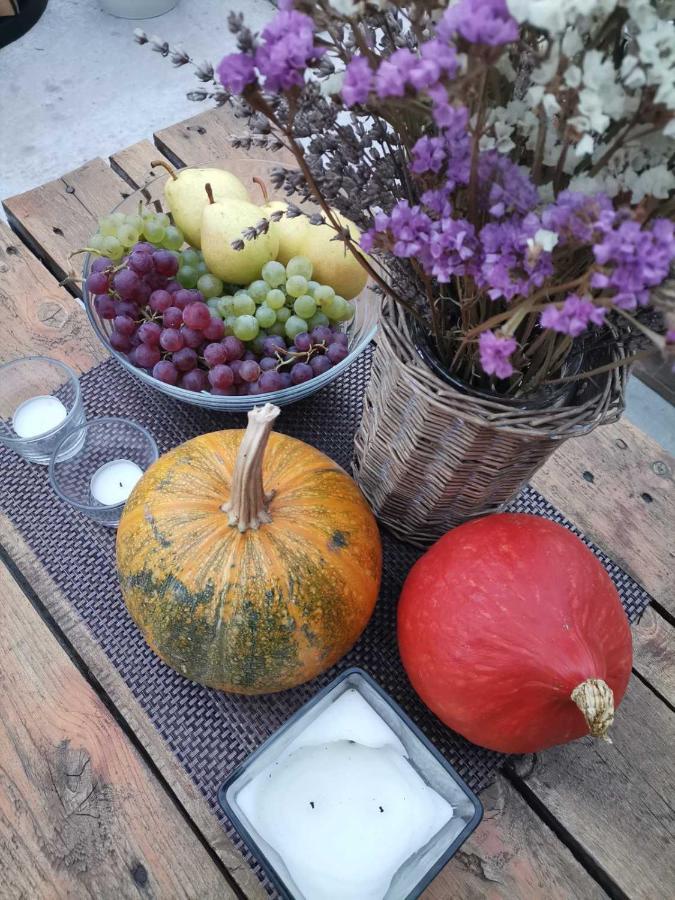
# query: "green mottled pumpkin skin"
(256, 612)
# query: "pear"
(223, 222)
(290, 232)
(186, 198)
(332, 262)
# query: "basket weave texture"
(429, 456)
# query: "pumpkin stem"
(595, 699)
(247, 506)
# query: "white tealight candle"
(38, 416)
(342, 806)
(113, 482)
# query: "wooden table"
(94, 804)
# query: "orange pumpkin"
(241, 588)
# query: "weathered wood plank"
(125, 702)
(60, 216)
(618, 800)
(205, 139)
(133, 163)
(654, 653)
(616, 484)
(129, 708)
(512, 856)
(80, 812)
(39, 317)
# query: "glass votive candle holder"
(40, 406)
(114, 453)
(349, 799)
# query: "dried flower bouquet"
(510, 164)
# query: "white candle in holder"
(114, 481)
(342, 806)
(38, 416)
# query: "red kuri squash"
(512, 632)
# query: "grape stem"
(85, 250)
(263, 188)
(164, 165)
(209, 193)
(298, 354)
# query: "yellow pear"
(290, 232)
(186, 196)
(223, 222)
(333, 263)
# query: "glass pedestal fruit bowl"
(148, 308)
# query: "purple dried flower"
(495, 354)
(577, 217)
(236, 71)
(357, 82)
(393, 74)
(451, 246)
(444, 55)
(288, 50)
(634, 259)
(479, 22)
(670, 336)
(573, 316)
(428, 155)
(424, 74)
(509, 268)
(503, 186)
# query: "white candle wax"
(342, 805)
(113, 482)
(38, 416)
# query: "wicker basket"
(429, 456)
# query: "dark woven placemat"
(210, 732)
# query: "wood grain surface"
(69, 624)
(60, 216)
(512, 856)
(617, 800)
(40, 318)
(617, 485)
(81, 815)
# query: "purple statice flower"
(670, 336)
(443, 248)
(479, 22)
(357, 82)
(508, 268)
(437, 200)
(405, 231)
(424, 74)
(393, 74)
(578, 217)
(634, 259)
(573, 316)
(441, 108)
(495, 353)
(428, 155)
(451, 247)
(444, 55)
(287, 50)
(503, 186)
(235, 71)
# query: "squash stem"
(248, 505)
(595, 699)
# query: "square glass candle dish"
(394, 810)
